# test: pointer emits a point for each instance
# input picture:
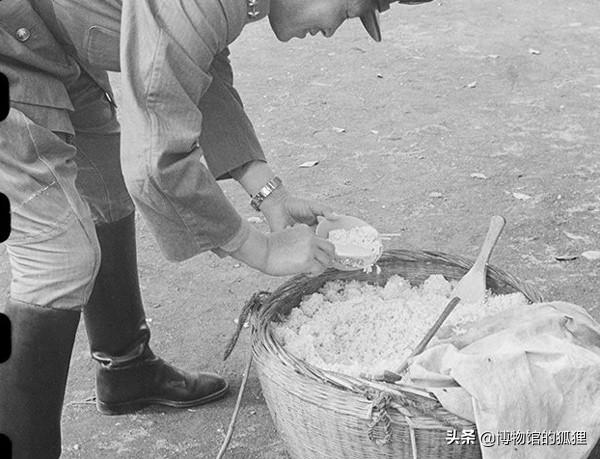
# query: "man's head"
(297, 18)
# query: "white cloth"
(534, 370)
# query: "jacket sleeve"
(166, 53)
(228, 137)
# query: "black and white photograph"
(299, 229)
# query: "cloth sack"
(528, 377)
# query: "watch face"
(265, 191)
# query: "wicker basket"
(322, 414)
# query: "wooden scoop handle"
(393, 376)
(496, 226)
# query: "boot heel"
(115, 409)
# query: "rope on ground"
(235, 410)
(253, 304)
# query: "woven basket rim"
(416, 399)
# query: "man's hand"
(282, 210)
(297, 250)
(290, 251)
(279, 208)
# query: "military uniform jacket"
(178, 103)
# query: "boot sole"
(136, 405)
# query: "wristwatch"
(265, 191)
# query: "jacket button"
(23, 34)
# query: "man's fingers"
(307, 211)
(330, 214)
(316, 269)
(323, 258)
(326, 246)
(317, 208)
(279, 224)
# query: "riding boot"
(33, 379)
(129, 375)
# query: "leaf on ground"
(521, 196)
(479, 175)
(591, 254)
(576, 237)
(309, 164)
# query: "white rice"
(361, 237)
(357, 328)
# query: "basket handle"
(254, 304)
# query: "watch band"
(265, 191)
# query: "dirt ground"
(508, 91)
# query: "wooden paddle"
(470, 289)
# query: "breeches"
(60, 186)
